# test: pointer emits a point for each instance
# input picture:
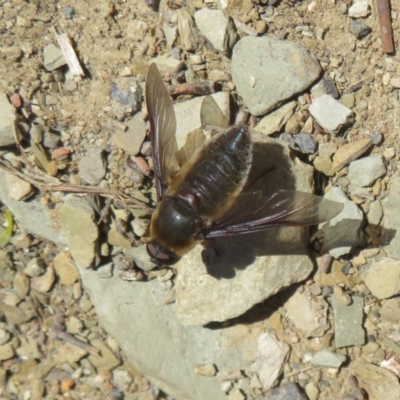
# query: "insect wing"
(212, 115)
(162, 130)
(253, 212)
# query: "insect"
(210, 196)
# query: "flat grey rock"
(91, 166)
(186, 30)
(274, 121)
(53, 57)
(382, 277)
(77, 220)
(7, 121)
(365, 171)
(391, 220)
(360, 192)
(254, 266)
(308, 313)
(330, 114)
(379, 383)
(33, 216)
(267, 71)
(344, 231)
(217, 27)
(156, 342)
(271, 358)
(131, 139)
(348, 322)
(326, 358)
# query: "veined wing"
(253, 212)
(162, 130)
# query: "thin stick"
(386, 26)
(66, 187)
(142, 164)
(58, 333)
(195, 88)
(359, 84)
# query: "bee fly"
(210, 196)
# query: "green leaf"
(6, 235)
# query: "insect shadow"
(272, 171)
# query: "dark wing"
(162, 130)
(253, 212)
(212, 115)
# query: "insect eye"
(160, 255)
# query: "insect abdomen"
(219, 171)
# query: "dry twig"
(58, 333)
(69, 53)
(385, 25)
(196, 88)
(359, 84)
(47, 183)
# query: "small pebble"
(4, 336)
(22, 241)
(341, 296)
(69, 12)
(306, 143)
(43, 283)
(359, 29)
(51, 140)
(35, 267)
(85, 304)
(376, 137)
(226, 386)
(205, 370)
(288, 138)
(6, 352)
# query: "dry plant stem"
(195, 88)
(297, 372)
(105, 211)
(245, 28)
(359, 84)
(65, 187)
(385, 25)
(69, 53)
(58, 332)
(142, 164)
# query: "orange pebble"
(16, 100)
(67, 385)
(61, 152)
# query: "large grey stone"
(267, 71)
(156, 342)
